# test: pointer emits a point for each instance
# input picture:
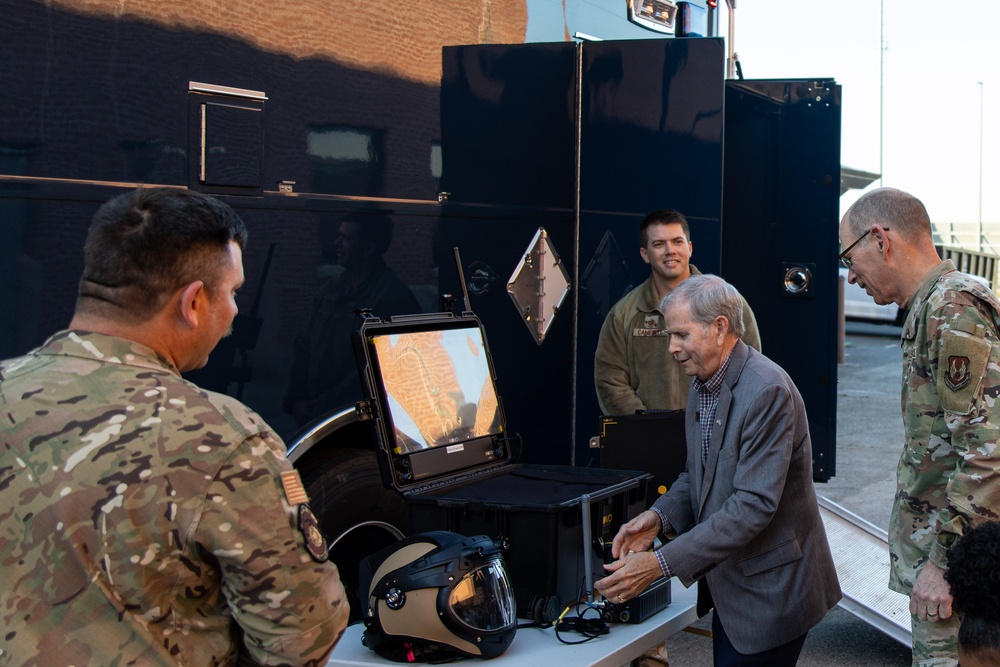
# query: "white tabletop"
(535, 646)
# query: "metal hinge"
(365, 410)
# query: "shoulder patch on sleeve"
(961, 368)
(295, 493)
(314, 539)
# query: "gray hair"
(894, 209)
(708, 297)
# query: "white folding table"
(537, 647)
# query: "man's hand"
(636, 568)
(636, 535)
(630, 576)
(931, 596)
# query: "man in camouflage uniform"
(144, 521)
(632, 368)
(949, 474)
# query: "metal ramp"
(861, 555)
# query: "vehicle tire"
(356, 513)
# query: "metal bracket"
(366, 410)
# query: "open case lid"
(431, 398)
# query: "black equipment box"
(443, 443)
(636, 610)
(650, 440)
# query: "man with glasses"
(948, 478)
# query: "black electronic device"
(655, 598)
(443, 443)
(651, 441)
(432, 398)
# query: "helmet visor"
(483, 599)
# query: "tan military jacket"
(633, 370)
(145, 521)
(949, 471)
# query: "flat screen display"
(438, 387)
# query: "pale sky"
(921, 90)
(934, 56)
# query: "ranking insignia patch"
(958, 373)
(294, 491)
(315, 542)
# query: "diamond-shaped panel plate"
(539, 285)
(607, 278)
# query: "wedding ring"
(621, 600)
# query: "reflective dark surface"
(650, 137)
(781, 210)
(102, 96)
(97, 100)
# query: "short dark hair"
(146, 244)
(664, 216)
(974, 576)
(892, 208)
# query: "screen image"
(438, 387)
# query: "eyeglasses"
(848, 262)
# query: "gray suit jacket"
(747, 520)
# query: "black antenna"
(461, 279)
(588, 558)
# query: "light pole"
(980, 165)
(881, 94)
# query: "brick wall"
(401, 38)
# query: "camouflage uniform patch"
(315, 542)
(966, 356)
(948, 475)
(140, 516)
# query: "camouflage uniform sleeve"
(615, 393)
(967, 380)
(285, 596)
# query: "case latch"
(366, 314)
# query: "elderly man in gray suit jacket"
(743, 516)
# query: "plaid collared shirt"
(708, 401)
